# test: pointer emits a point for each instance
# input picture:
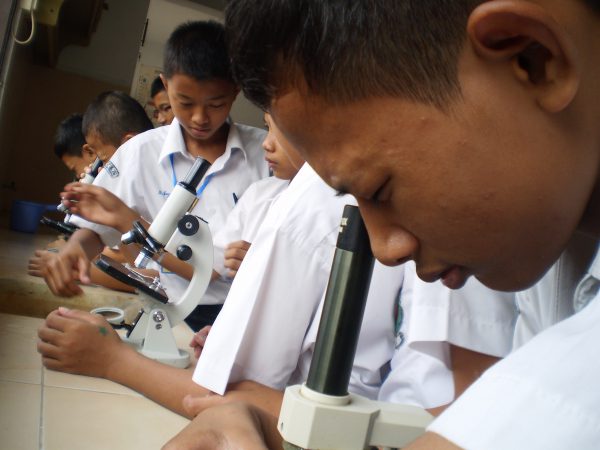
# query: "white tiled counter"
(43, 409)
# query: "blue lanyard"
(202, 186)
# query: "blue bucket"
(25, 216)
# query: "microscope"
(174, 230)
(87, 179)
(66, 227)
(321, 414)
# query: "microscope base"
(316, 421)
(153, 337)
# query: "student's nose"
(200, 115)
(161, 119)
(268, 144)
(391, 244)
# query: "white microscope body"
(176, 231)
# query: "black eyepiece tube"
(343, 308)
(195, 175)
(95, 167)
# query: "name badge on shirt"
(112, 169)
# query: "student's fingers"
(242, 245)
(236, 249)
(83, 267)
(48, 351)
(56, 321)
(205, 330)
(84, 316)
(34, 267)
(69, 186)
(232, 264)
(51, 363)
(59, 276)
(48, 335)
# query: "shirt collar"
(595, 266)
(589, 287)
(234, 140)
(174, 143)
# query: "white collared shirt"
(140, 173)
(244, 220)
(258, 335)
(543, 396)
(550, 300)
(473, 317)
(376, 339)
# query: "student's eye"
(185, 105)
(216, 105)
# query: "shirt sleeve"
(259, 333)
(543, 396)
(473, 317)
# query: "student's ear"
(542, 56)
(164, 80)
(126, 138)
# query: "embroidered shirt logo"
(163, 194)
(112, 169)
(398, 319)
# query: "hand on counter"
(232, 425)
(62, 270)
(78, 342)
(38, 262)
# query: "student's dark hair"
(156, 87)
(69, 139)
(594, 4)
(347, 50)
(198, 49)
(112, 115)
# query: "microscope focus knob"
(188, 225)
(184, 252)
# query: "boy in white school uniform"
(496, 124)
(232, 241)
(145, 169)
(279, 312)
(69, 340)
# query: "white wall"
(163, 17)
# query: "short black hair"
(347, 50)
(112, 115)
(198, 49)
(69, 139)
(594, 4)
(156, 87)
